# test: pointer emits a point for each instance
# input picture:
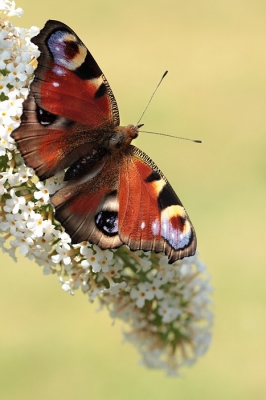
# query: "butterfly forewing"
(50, 143)
(151, 216)
(67, 71)
(70, 103)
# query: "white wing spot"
(155, 227)
(58, 71)
(142, 225)
(62, 61)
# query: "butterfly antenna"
(172, 136)
(155, 90)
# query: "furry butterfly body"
(114, 193)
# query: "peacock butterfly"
(114, 193)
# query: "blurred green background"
(56, 346)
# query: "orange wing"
(151, 216)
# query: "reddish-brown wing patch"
(48, 143)
(64, 94)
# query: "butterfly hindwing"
(88, 207)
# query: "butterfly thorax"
(121, 138)
(114, 144)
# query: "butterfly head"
(132, 131)
(123, 136)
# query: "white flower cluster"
(167, 307)
(170, 318)
(8, 8)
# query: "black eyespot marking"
(107, 222)
(71, 49)
(102, 90)
(113, 193)
(88, 69)
(182, 222)
(154, 176)
(45, 117)
(167, 198)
